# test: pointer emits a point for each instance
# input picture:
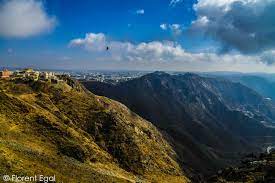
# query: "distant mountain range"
(210, 122)
(263, 85)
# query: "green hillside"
(63, 130)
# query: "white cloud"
(176, 29)
(24, 18)
(91, 42)
(140, 12)
(166, 56)
(163, 26)
(268, 57)
(244, 25)
(175, 2)
(201, 22)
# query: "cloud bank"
(168, 55)
(24, 18)
(244, 25)
(158, 51)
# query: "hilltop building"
(47, 75)
(27, 74)
(31, 75)
(28, 70)
(5, 73)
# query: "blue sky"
(118, 19)
(184, 35)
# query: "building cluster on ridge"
(29, 74)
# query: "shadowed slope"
(208, 121)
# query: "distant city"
(106, 76)
(102, 76)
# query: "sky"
(169, 35)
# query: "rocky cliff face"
(63, 130)
(210, 122)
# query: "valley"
(206, 120)
(173, 128)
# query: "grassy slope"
(79, 137)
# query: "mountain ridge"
(63, 130)
(196, 112)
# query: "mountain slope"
(258, 83)
(63, 130)
(207, 120)
(252, 169)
